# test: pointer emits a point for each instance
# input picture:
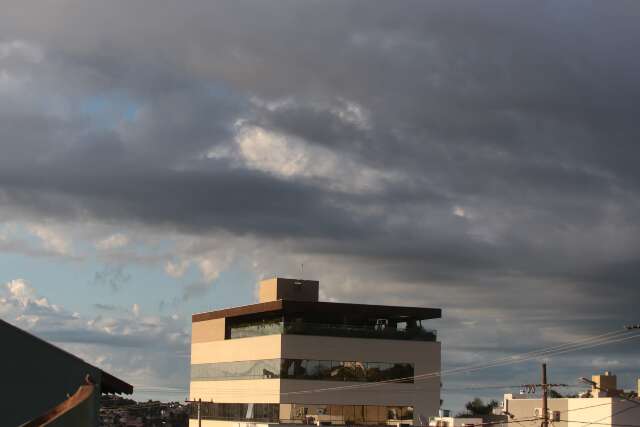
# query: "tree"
(554, 394)
(477, 407)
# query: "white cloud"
(106, 342)
(29, 310)
(22, 295)
(176, 269)
(604, 362)
(21, 49)
(291, 157)
(209, 255)
(352, 113)
(210, 268)
(115, 241)
(459, 211)
(51, 239)
(13, 77)
(271, 152)
(20, 291)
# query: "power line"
(514, 359)
(598, 421)
(589, 423)
(577, 345)
(596, 386)
(587, 407)
(605, 424)
(589, 342)
(611, 416)
(492, 423)
(552, 351)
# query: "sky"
(158, 158)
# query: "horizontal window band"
(309, 369)
(301, 413)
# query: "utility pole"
(545, 395)
(545, 386)
(199, 413)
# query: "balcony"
(359, 331)
(298, 327)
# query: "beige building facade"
(291, 359)
(455, 422)
(604, 407)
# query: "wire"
(577, 345)
(590, 342)
(492, 423)
(479, 387)
(587, 407)
(598, 421)
(519, 359)
(536, 353)
(514, 359)
(589, 423)
(622, 396)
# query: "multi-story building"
(291, 359)
(603, 405)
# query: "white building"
(454, 422)
(605, 407)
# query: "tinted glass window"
(333, 370)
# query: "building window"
(301, 413)
(308, 369)
(380, 328)
(256, 328)
(294, 413)
(251, 369)
(268, 412)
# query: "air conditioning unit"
(553, 415)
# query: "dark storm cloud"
(522, 115)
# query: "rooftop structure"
(292, 359)
(605, 385)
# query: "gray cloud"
(113, 277)
(481, 154)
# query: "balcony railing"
(359, 331)
(332, 330)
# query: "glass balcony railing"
(277, 327)
(332, 330)
(359, 331)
